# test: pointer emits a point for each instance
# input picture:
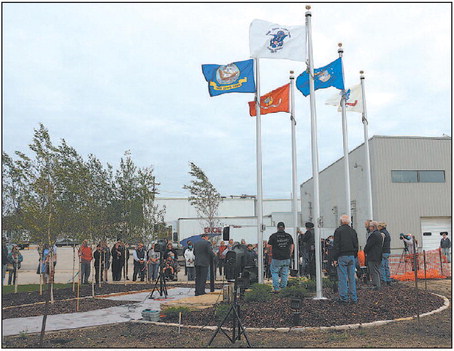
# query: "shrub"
(328, 283)
(310, 285)
(294, 292)
(258, 293)
(173, 312)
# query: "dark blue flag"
(236, 77)
(324, 77)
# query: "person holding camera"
(153, 262)
(373, 250)
(344, 253)
(282, 249)
(203, 255)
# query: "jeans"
(446, 252)
(384, 268)
(191, 273)
(85, 271)
(153, 270)
(279, 268)
(346, 278)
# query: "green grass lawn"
(8, 289)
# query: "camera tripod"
(237, 327)
(161, 280)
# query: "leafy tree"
(204, 196)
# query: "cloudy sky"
(114, 77)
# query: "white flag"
(271, 40)
(353, 102)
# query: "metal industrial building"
(411, 189)
(235, 211)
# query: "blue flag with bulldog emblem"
(236, 77)
(324, 77)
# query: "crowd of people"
(341, 258)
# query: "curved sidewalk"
(117, 314)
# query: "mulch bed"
(59, 307)
(390, 302)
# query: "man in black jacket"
(386, 251)
(203, 255)
(308, 240)
(345, 251)
(282, 249)
(373, 250)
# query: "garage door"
(431, 227)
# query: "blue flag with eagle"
(324, 77)
(236, 77)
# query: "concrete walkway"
(118, 314)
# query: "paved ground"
(66, 257)
(118, 314)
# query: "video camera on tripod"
(236, 268)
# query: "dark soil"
(434, 331)
(390, 302)
(59, 307)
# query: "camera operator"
(140, 258)
(203, 254)
(282, 249)
(153, 262)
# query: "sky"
(111, 77)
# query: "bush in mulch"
(390, 302)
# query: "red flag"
(275, 101)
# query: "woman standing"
(15, 258)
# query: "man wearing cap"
(386, 251)
(203, 253)
(282, 249)
(309, 244)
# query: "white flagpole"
(294, 173)
(259, 208)
(366, 148)
(314, 148)
(345, 143)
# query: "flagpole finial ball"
(339, 44)
(291, 72)
(361, 72)
(308, 7)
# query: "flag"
(353, 101)
(275, 101)
(270, 40)
(324, 77)
(236, 77)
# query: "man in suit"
(203, 255)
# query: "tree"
(204, 196)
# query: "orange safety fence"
(430, 264)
